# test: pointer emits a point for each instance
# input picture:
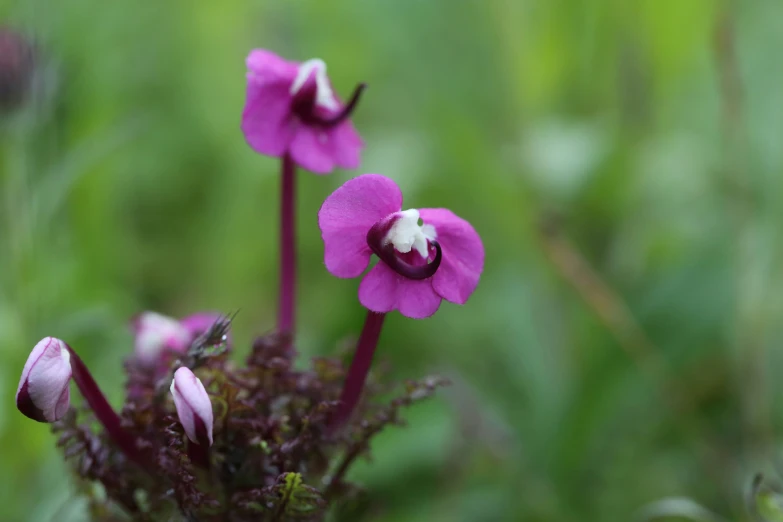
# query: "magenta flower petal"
(348, 214)
(383, 290)
(266, 68)
(266, 117)
(320, 150)
(291, 108)
(198, 323)
(265, 120)
(347, 146)
(43, 393)
(314, 149)
(194, 408)
(463, 254)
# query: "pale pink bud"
(193, 406)
(156, 333)
(43, 393)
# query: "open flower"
(43, 393)
(194, 408)
(292, 109)
(421, 264)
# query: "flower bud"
(193, 406)
(43, 393)
(17, 65)
(156, 333)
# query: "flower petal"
(266, 120)
(194, 408)
(155, 333)
(267, 67)
(463, 254)
(384, 290)
(348, 214)
(313, 149)
(43, 393)
(347, 146)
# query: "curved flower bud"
(291, 108)
(427, 254)
(43, 393)
(194, 408)
(156, 333)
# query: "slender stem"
(103, 410)
(285, 318)
(199, 454)
(360, 367)
(752, 278)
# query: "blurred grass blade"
(677, 509)
(52, 191)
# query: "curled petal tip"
(348, 109)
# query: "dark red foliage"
(273, 457)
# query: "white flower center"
(406, 234)
(323, 91)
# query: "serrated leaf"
(298, 499)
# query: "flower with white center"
(324, 96)
(406, 233)
(291, 109)
(43, 393)
(420, 264)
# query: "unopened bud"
(43, 393)
(156, 333)
(194, 408)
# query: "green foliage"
(298, 500)
(767, 502)
(129, 187)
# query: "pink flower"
(43, 393)
(421, 264)
(194, 408)
(292, 109)
(155, 334)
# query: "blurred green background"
(621, 160)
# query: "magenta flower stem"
(103, 410)
(285, 318)
(199, 454)
(360, 367)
